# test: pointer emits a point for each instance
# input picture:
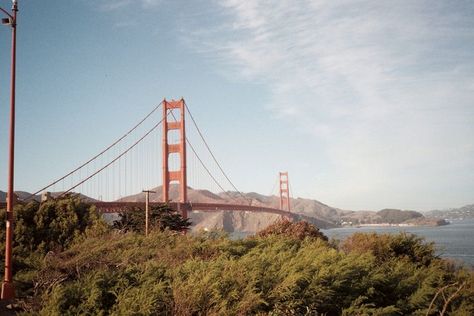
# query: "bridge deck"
(114, 207)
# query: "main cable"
(212, 155)
(98, 155)
(116, 158)
(203, 165)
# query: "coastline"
(424, 222)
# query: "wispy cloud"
(111, 5)
(386, 87)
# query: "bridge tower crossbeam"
(284, 192)
(176, 148)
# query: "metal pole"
(8, 290)
(147, 202)
(147, 212)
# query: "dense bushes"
(52, 225)
(386, 247)
(276, 274)
(299, 230)
(78, 266)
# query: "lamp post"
(8, 290)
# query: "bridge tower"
(284, 192)
(176, 148)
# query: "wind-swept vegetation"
(287, 269)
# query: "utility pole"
(8, 290)
(147, 212)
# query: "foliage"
(269, 274)
(70, 263)
(299, 230)
(52, 225)
(161, 218)
(41, 228)
(397, 216)
(386, 247)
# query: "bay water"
(455, 241)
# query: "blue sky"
(367, 104)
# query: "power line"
(212, 155)
(98, 155)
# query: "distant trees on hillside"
(397, 216)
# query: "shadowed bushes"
(161, 218)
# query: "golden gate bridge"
(133, 160)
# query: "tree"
(161, 217)
(51, 225)
(41, 228)
(298, 230)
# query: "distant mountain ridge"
(311, 210)
(320, 214)
(22, 195)
(316, 212)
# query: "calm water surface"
(452, 241)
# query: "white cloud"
(387, 86)
(111, 5)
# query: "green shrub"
(298, 230)
(283, 273)
(387, 246)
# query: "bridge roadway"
(115, 207)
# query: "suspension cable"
(115, 159)
(98, 155)
(204, 166)
(209, 172)
(274, 186)
(212, 155)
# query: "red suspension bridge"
(131, 163)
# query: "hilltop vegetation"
(392, 216)
(464, 212)
(287, 269)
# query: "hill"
(313, 211)
(466, 211)
(21, 195)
